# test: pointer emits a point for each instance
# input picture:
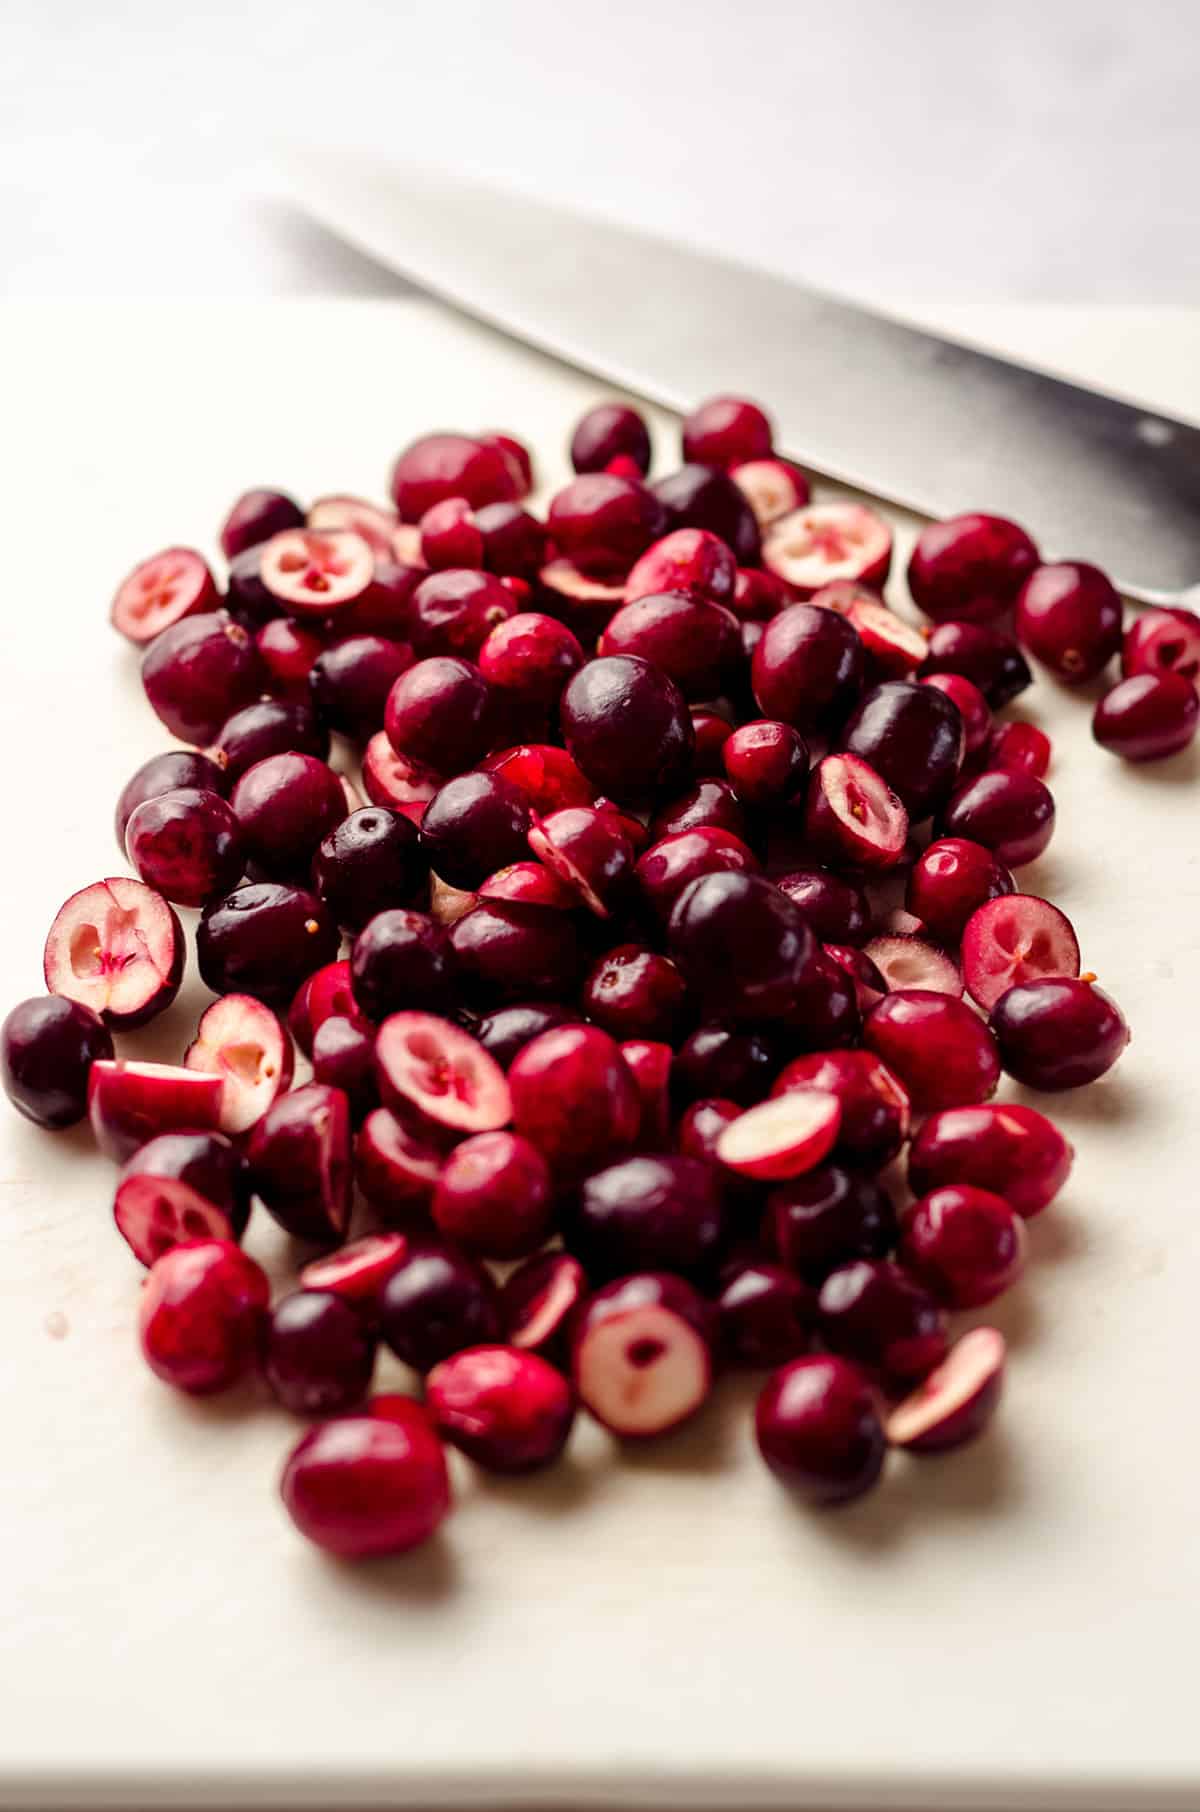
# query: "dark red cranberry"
(872, 1311)
(247, 598)
(299, 1154)
(318, 1354)
(1069, 617)
(603, 523)
(972, 707)
(698, 496)
(648, 1213)
(758, 596)
(951, 878)
(808, 668)
(343, 1057)
(574, 1098)
(508, 1411)
(474, 825)
(532, 657)
(668, 867)
(437, 713)
(383, 608)
(372, 860)
(942, 1052)
(270, 726)
(697, 643)
(586, 848)
(181, 1186)
(454, 612)
(351, 681)
(912, 736)
(47, 1048)
(600, 703)
(539, 1301)
(764, 1314)
(401, 959)
(835, 908)
(826, 1218)
(709, 805)
(201, 1314)
(818, 1429)
(970, 567)
(494, 1196)
(609, 430)
(987, 657)
(1011, 1150)
(163, 774)
(825, 1015)
(200, 671)
(285, 805)
(1008, 811)
(187, 845)
(255, 517)
(263, 940)
(1022, 746)
(742, 945)
(1148, 716)
(396, 1168)
(436, 1302)
(449, 465)
(641, 1354)
(701, 1126)
(367, 1485)
(724, 431)
(964, 1244)
(509, 1029)
(324, 994)
(1163, 641)
(633, 992)
(514, 542)
(504, 951)
(767, 764)
(724, 1062)
(875, 1105)
(1058, 1033)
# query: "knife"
(928, 423)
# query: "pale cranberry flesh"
(1163, 641)
(396, 1168)
(507, 1410)
(1058, 1033)
(875, 1107)
(1018, 938)
(956, 1401)
(853, 816)
(161, 591)
(118, 948)
(818, 1429)
(642, 1360)
(539, 1301)
(181, 1186)
(772, 487)
(907, 960)
(47, 1048)
(434, 1069)
(588, 851)
(201, 1315)
(357, 1271)
(782, 1137)
(823, 542)
(244, 1042)
(362, 1486)
(1007, 1148)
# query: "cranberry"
(782, 1137)
(867, 978)
(532, 657)
(343, 1057)
(507, 1030)
(318, 1355)
(356, 1272)
(1148, 716)
(956, 1401)
(827, 1217)
(727, 1062)
(700, 497)
(987, 657)
(573, 1097)
(772, 487)
(893, 648)
(246, 1044)
(508, 1411)
(580, 599)
(875, 1105)
(1016, 939)
(870, 1310)
(529, 884)
(163, 590)
(767, 764)
(165, 774)
(504, 950)
(709, 805)
(198, 672)
(130, 1103)
(823, 542)
(454, 612)
(351, 680)
(1058, 1033)
(473, 825)
(970, 567)
(449, 465)
(690, 561)
(200, 1315)
(269, 727)
(539, 1301)
(299, 1156)
(326, 993)
(285, 805)
(907, 960)
(1021, 746)
(725, 430)
(950, 880)
(401, 959)
(516, 456)
(449, 537)
(247, 598)
(547, 776)
(633, 992)
(818, 1429)
(586, 848)
(186, 844)
(1008, 811)
(963, 1243)
(370, 861)
(853, 816)
(942, 1052)
(669, 867)
(758, 596)
(436, 1071)
(437, 714)
(494, 1196)
(394, 780)
(913, 737)
(599, 704)
(1163, 641)
(47, 1048)
(648, 1213)
(603, 523)
(696, 643)
(317, 573)
(741, 944)
(607, 431)
(1011, 1150)
(1069, 616)
(764, 1314)
(181, 1186)
(116, 947)
(808, 668)
(254, 517)
(701, 1126)
(972, 707)
(395, 1167)
(649, 1062)
(642, 1354)
(514, 543)
(436, 1302)
(366, 1485)
(384, 608)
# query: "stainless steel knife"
(925, 422)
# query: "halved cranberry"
(687, 560)
(392, 779)
(357, 1272)
(853, 816)
(494, 1196)
(701, 497)
(1019, 938)
(725, 430)
(529, 884)
(316, 573)
(325, 994)
(972, 706)
(772, 487)
(1148, 716)
(970, 567)
(818, 1429)
(508, 1411)
(573, 1097)
(178, 1187)
(117, 948)
(428, 1066)
(827, 1217)
(603, 523)
(299, 1155)
(609, 431)
(548, 776)
(875, 1109)
(395, 1167)
(254, 517)
(1008, 810)
(339, 510)
(186, 844)
(942, 1052)
(1163, 641)
(956, 1401)
(365, 1485)
(906, 960)
(198, 672)
(599, 704)
(437, 1301)
(964, 1243)
(634, 992)
(726, 1062)
(1069, 616)
(782, 1137)
(642, 1354)
(742, 944)
(539, 1301)
(531, 656)
(450, 465)
(437, 714)
(697, 643)
(246, 1044)
(504, 950)
(1021, 746)
(581, 600)
(318, 1353)
(587, 849)
(1058, 1032)
(129, 1103)
(1011, 1150)
(160, 591)
(950, 880)
(508, 1029)
(767, 764)
(826, 541)
(201, 1314)
(873, 1312)
(808, 668)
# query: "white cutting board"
(1012, 1625)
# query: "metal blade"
(925, 422)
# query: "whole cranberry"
(873, 1312)
(697, 643)
(599, 705)
(504, 950)
(438, 714)
(285, 805)
(767, 764)
(764, 1314)
(1011, 1150)
(264, 940)
(532, 656)
(164, 774)
(970, 567)
(826, 1218)
(606, 432)
(973, 708)
(817, 1426)
(318, 1353)
(913, 737)
(270, 726)
(835, 908)
(454, 612)
(401, 959)
(494, 1196)
(201, 1315)
(509, 1029)
(825, 1015)
(436, 1302)
(709, 805)
(187, 845)
(725, 1062)
(648, 1213)
(988, 657)
(1008, 810)
(47, 1048)
(1148, 716)
(351, 680)
(807, 669)
(633, 992)
(508, 1411)
(726, 430)
(449, 537)
(514, 543)
(742, 945)
(603, 522)
(1069, 616)
(449, 465)
(574, 1098)
(370, 861)
(366, 1485)
(474, 825)
(254, 517)
(700, 497)
(343, 1057)
(942, 1052)
(668, 867)
(198, 672)
(758, 595)
(1057, 1033)
(1022, 746)
(965, 1244)
(949, 880)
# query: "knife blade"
(932, 424)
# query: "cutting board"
(1009, 1626)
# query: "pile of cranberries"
(646, 1017)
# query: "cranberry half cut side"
(824, 542)
(641, 1357)
(160, 591)
(853, 816)
(956, 1401)
(425, 1064)
(247, 1045)
(1018, 938)
(178, 1187)
(117, 948)
(316, 573)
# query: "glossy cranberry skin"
(873, 1312)
(270, 726)
(351, 680)
(1011, 1150)
(835, 908)
(670, 866)
(187, 845)
(449, 465)
(701, 1125)
(285, 805)
(402, 960)
(509, 1029)
(599, 705)
(808, 668)
(508, 1411)
(913, 737)
(449, 537)
(647, 1213)
(1009, 812)
(1058, 1033)
(697, 643)
(609, 430)
(1069, 617)
(396, 1168)
(767, 765)
(201, 1315)
(367, 1485)
(949, 880)
(758, 595)
(436, 1302)
(725, 1062)
(942, 1052)
(1163, 641)
(531, 656)
(1147, 717)
(587, 849)
(473, 826)
(709, 805)
(875, 1107)
(47, 1048)
(504, 951)
(634, 992)
(247, 598)
(318, 1353)
(698, 496)
(299, 1156)
(166, 773)
(574, 1097)
(603, 522)
(343, 1057)
(255, 517)
(724, 431)
(742, 945)
(972, 707)
(198, 672)
(825, 1015)
(818, 1429)
(764, 1314)
(454, 612)
(964, 1244)
(369, 862)
(1021, 746)
(494, 1196)
(987, 657)
(970, 567)
(514, 542)
(437, 713)
(827, 1217)
(263, 940)
(539, 1301)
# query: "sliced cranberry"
(581, 600)
(508, 1411)
(299, 1156)
(1069, 617)
(598, 706)
(357, 1272)
(950, 880)
(375, 525)
(818, 1429)
(942, 1052)
(725, 1062)
(130, 1103)
(200, 1315)
(160, 591)
(539, 1300)
(529, 884)
(494, 1196)
(909, 961)
(609, 431)
(808, 668)
(964, 1243)
(178, 1187)
(198, 672)
(437, 1301)
(853, 816)
(588, 851)
(956, 1401)
(826, 1218)
(317, 573)
(365, 1485)
(782, 1137)
(246, 1044)
(1011, 1150)
(429, 1066)
(396, 1167)
(642, 1354)
(1148, 717)
(504, 950)
(741, 944)
(970, 567)
(826, 541)
(1163, 641)
(772, 487)
(1019, 938)
(634, 992)
(117, 948)
(573, 1097)
(687, 560)
(509, 1029)
(1021, 746)
(450, 465)
(548, 776)
(1008, 811)
(875, 1113)
(987, 657)
(254, 517)
(699, 496)
(869, 984)
(973, 708)
(1058, 1033)
(392, 779)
